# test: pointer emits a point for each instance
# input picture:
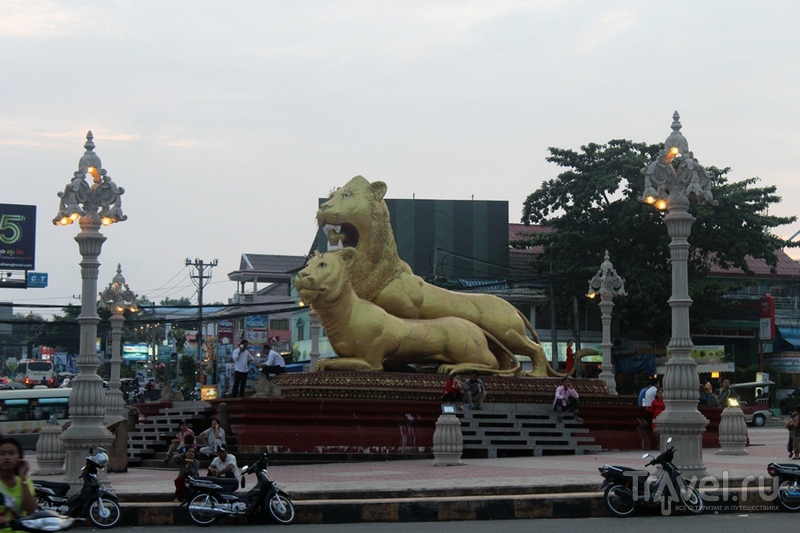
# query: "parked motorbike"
(787, 483)
(93, 501)
(627, 489)
(208, 498)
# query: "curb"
(481, 507)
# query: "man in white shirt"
(224, 464)
(650, 393)
(241, 367)
(274, 363)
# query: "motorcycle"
(787, 483)
(42, 520)
(93, 501)
(208, 498)
(627, 489)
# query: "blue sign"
(37, 280)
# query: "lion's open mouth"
(340, 236)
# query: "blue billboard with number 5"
(18, 236)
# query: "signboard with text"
(18, 236)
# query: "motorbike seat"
(788, 466)
(59, 487)
(227, 483)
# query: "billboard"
(18, 236)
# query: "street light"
(607, 284)
(91, 206)
(670, 182)
(117, 298)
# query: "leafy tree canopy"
(593, 206)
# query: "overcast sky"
(225, 121)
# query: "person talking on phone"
(16, 488)
(241, 367)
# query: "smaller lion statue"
(168, 394)
(364, 336)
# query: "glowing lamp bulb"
(674, 150)
(661, 205)
(64, 221)
(650, 200)
(106, 221)
(592, 294)
(74, 216)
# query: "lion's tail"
(580, 354)
(509, 364)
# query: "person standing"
(274, 364)
(570, 357)
(726, 393)
(656, 407)
(241, 367)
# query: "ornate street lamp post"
(607, 284)
(117, 298)
(670, 186)
(92, 206)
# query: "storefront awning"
(790, 335)
(704, 365)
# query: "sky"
(225, 121)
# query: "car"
(756, 415)
(789, 403)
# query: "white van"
(32, 372)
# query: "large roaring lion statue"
(364, 336)
(356, 216)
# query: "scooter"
(93, 501)
(627, 489)
(787, 483)
(209, 498)
(42, 520)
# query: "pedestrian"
(726, 393)
(656, 407)
(794, 433)
(570, 357)
(241, 367)
(15, 485)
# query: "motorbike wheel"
(619, 501)
(110, 509)
(692, 500)
(198, 517)
(281, 508)
(786, 502)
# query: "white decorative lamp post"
(117, 298)
(91, 206)
(607, 284)
(670, 186)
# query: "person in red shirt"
(657, 407)
(452, 390)
(570, 357)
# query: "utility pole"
(200, 280)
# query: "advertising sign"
(18, 236)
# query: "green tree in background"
(593, 206)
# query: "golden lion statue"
(356, 216)
(364, 336)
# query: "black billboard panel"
(18, 236)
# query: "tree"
(62, 332)
(180, 302)
(593, 206)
